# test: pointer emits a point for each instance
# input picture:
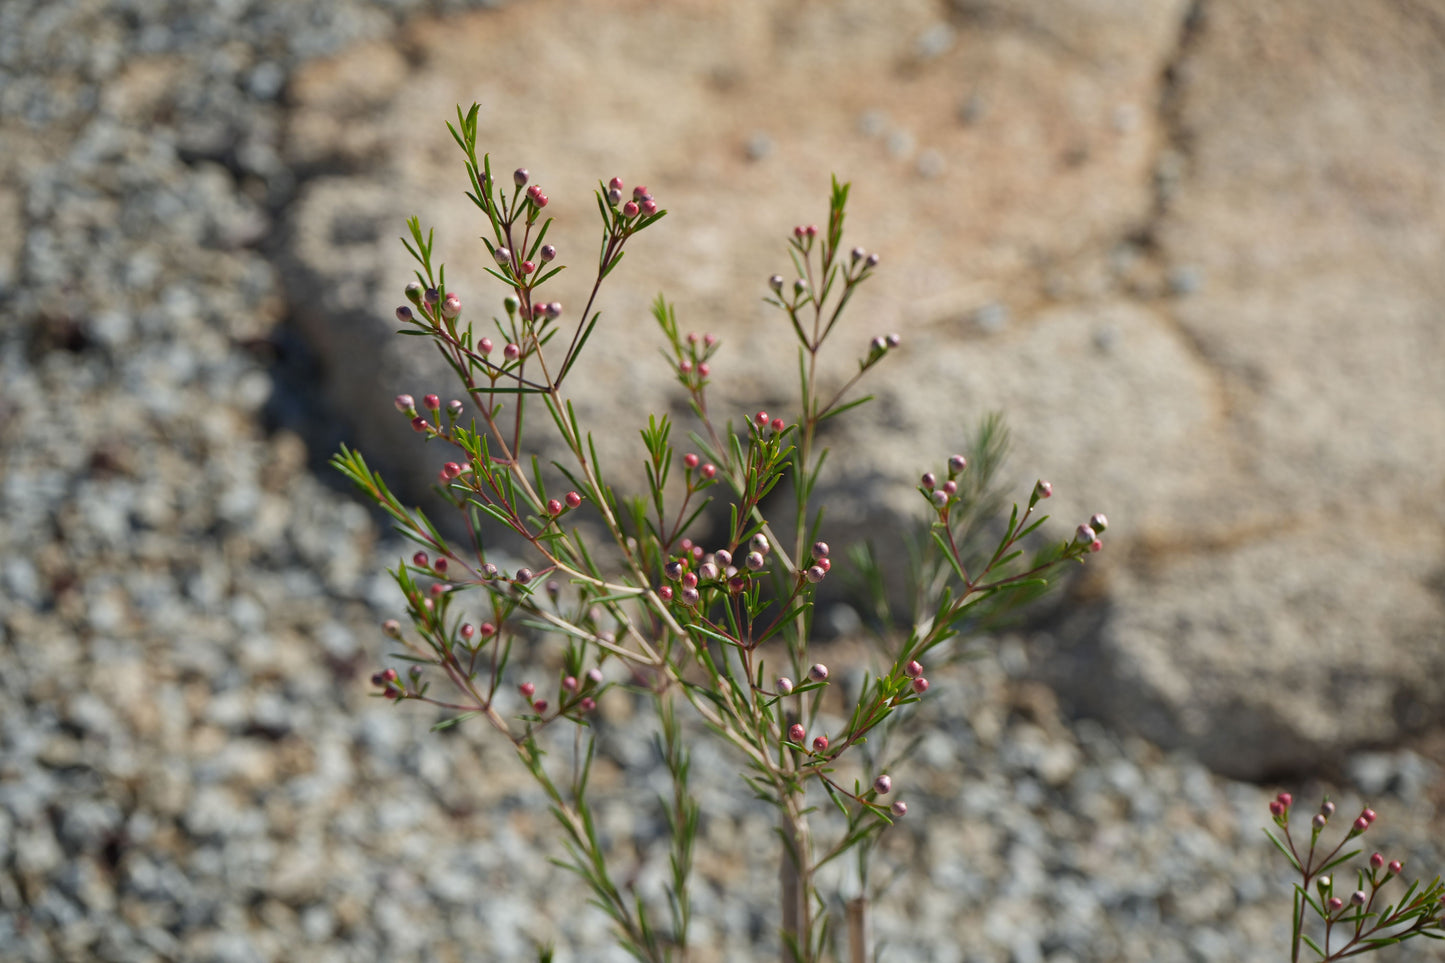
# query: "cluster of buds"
(1089, 532)
(942, 495)
(535, 193)
(575, 694)
(642, 200)
(762, 423)
(696, 566)
(556, 507)
(390, 685)
(706, 471)
(693, 362)
(881, 345)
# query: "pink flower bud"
(1369, 815)
(614, 197)
(940, 499)
(800, 232)
(1043, 490)
(487, 630)
(420, 560)
(511, 352)
(820, 550)
(783, 686)
(957, 463)
(1319, 821)
(629, 209)
(432, 296)
(452, 306)
(587, 704)
(1361, 824)
(708, 571)
(1328, 808)
(689, 580)
(1395, 867)
(485, 346)
(1358, 897)
(468, 630)
(893, 340)
(920, 685)
(533, 191)
(436, 590)
(489, 571)
(528, 267)
(708, 470)
(689, 460)
(899, 808)
(403, 314)
(573, 499)
(929, 480)
(665, 593)
(519, 177)
(594, 676)
(825, 564)
(503, 255)
(1275, 809)
(950, 487)
(776, 283)
(540, 706)
(754, 561)
(883, 785)
(432, 402)
(709, 340)
(1285, 799)
(554, 309)
(820, 744)
(554, 507)
(818, 672)
(1084, 535)
(1098, 522)
(569, 684)
(549, 252)
(913, 669)
(1096, 545)
(440, 565)
(639, 192)
(796, 732)
(815, 574)
(527, 689)
(1334, 903)
(649, 206)
(406, 404)
(685, 366)
(778, 425)
(1376, 861)
(759, 543)
(704, 369)
(872, 260)
(615, 184)
(451, 469)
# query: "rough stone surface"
(1191, 251)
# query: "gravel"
(190, 765)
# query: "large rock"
(1187, 249)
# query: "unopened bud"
(1395, 867)
(820, 744)
(857, 254)
(548, 252)
(820, 549)
(629, 209)
(522, 576)
(754, 561)
(1098, 522)
(1043, 489)
(899, 808)
(796, 732)
(920, 685)
(776, 283)
(1085, 535)
(815, 574)
(783, 686)
(872, 260)
(614, 196)
(519, 177)
(1377, 860)
(818, 672)
(759, 543)
(452, 306)
(405, 404)
(503, 255)
(883, 785)
(403, 314)
(913, 669)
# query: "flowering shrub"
(1361, 921)
(662, 605)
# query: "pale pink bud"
(629, 209)
(1098, 522)
(1043, 490)
(511, 352)
(820, 549)
(519, 177)
(503, 255)
(754, 561)
(569, 684)
(392, 628)
(485, 346)
(406, 404)
(957, 463)
(1085, 535)
(815, 574)
(689, 596)
(554, 309)
(899, 808)
(527, 689)
(883, 785)
(649, 206)
(940, 499)
(1376, 861)
(929, 480)
(1335, 904)
(783, 686)
(818, 672)
(759, 543)
(587, 704)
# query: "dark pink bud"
(440, 565)
(420, 560)
(540, 706)
(899, 808)
(451, 469)
(920, 685)
(913, 669)
(389, 675)
(432, 402)
(1275, 809)
(1361, 824)
(825, 564)
(689, 580)
(1335, 904)
(704, 369)
(573, 499)
(488, 630)
(950, 487)
(761, 418)
(639, 192)
(569, 684)
(737, 585)
(468, 630)
(533, 191)
(436, 590)
(799, 232)
(1395, 867)
(957, 463)
(820, 744)
(708, 470)
(811, 230)
(689, 460)
(1285, 799)
(629, 209)
(554, 507)
(796, 732)
(405, 404)
(615, 184)
(587, 704)
(1376, 861)
(485, 346)
(665, 593)
(883, 785)
(528, 267)
(649, 206)
(527, 689)
(929, 480)
(1369, 815)
(818, 672)
(815, 574)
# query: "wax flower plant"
(670, 611)
(1352, 920)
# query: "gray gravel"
(190, 765)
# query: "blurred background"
(1193, 251)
